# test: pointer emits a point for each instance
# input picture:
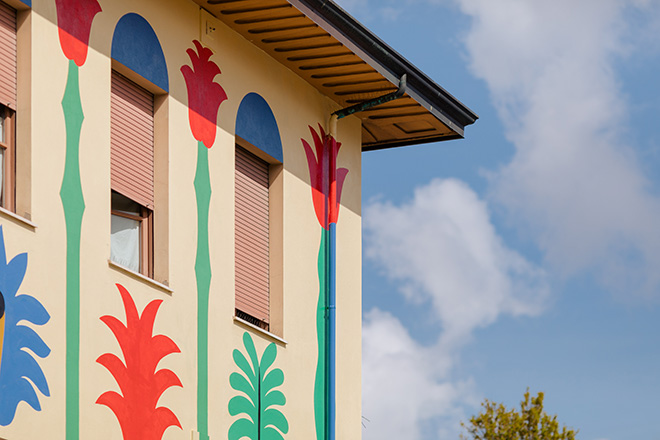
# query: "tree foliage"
(496, 422)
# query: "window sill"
(13, 216)
(259, 330)
(139, 276)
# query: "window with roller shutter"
(8, 80)
(252, 261)
(132, 174)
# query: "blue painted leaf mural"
(19, 371)
(259, 398)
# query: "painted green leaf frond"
(240, 383)
(273, 417)
(243, 364)
(273, 379)
(241, 405)
(246, 383)
(268, 357)
(242, 428)
(274, 397)
(271, 434)
(262, 421)
(251, 351)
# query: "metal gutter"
(389, 63)
(362, 106)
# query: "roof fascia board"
(388, 62)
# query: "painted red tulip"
(139, 379)
(204, 95)
(326, 179)
(74, 21)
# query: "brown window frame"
(8, 145)
(146, 220)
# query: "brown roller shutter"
(252, 251)
(132, 140)
(7, 56)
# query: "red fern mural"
(140, 384)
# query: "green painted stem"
(260, 429)
(73, 204)
(203, 275)
(320, 383)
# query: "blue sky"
(528, 254)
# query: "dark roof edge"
(388, 62)
(409, 142)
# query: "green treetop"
(496, 422)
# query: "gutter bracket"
(362, 106)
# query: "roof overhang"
(341, 58)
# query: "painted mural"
(139, 380)
(259, 402)
(74, 22)
(20, 374)
(136, 46)
(204, 99)
(327, 182)
(255, 123)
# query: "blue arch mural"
(136, 46)
(256, 124)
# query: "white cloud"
(408, 389)
(574, 183)
(443, 249)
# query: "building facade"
(180, 211)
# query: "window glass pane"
(125, 242)
(2, 125)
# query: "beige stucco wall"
(295, 105)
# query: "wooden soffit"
(343, 60)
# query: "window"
(259, 213)
(8, 83)
(252, 238)
(132, 175)
(7, 159)
(131, 234)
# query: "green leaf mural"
(260, 420)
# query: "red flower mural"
(204, 95)
(141, 385)
(326, 180)
(74, 20)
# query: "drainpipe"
(331, 250)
